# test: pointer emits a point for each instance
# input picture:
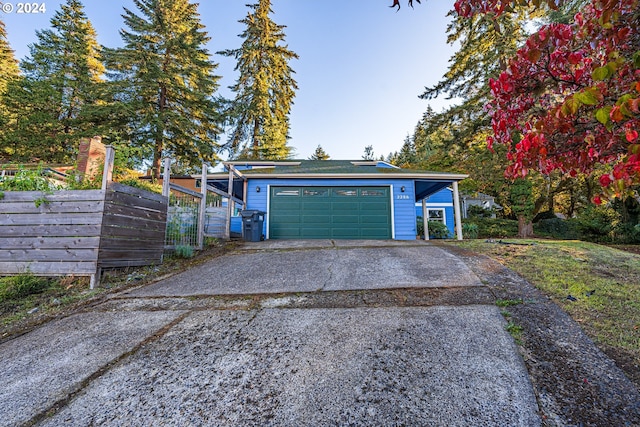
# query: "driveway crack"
(61, 403)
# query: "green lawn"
(604, 281)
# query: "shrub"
(476, 211)
(183, 251)
(438, 230)
(496, 228)
(469, 230)
(26, 180)
(556, 228)
(597, 223)
(21, 286)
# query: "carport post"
(203, 206)
(456, 210)
(425, 221)
(227, 229)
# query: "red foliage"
(570, 98)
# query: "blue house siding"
(404, 218)
(443, 199)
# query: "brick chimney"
(91, 154)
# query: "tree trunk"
(525, 227)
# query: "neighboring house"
(335, 199)
(480, 199)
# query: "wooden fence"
(80, 232)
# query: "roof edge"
(443, 176)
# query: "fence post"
(203, 206)
(166, 177)
(107, 173)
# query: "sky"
(362, 65)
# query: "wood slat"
(138, 192)
(51, 219)
(107, 243)
(56, 196)
(50, 243)
(135, 223)
(112, 231)
(134, 212)
(49, 230)
(129, 200)
(131, 263)
(49, 255)
(130, 255)
(91, 206)
(49, 268)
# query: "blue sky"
(361, 68)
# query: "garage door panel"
(352, 220)
(330, 212)
(316, 206)
(287, 219)
(370, 219)
(315, 233)
(373, 206)
(316, 219)
(345, 207)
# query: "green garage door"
(330, 213)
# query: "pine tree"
(9, 71)
(368, 153)
(259, 114)
(60, 80)
(165, 77)
(319, 154)
(8, 65)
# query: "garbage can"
(252, 222)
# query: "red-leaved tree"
(570, 98)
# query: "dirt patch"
(73, 295)
(575, 382)
(627, 248)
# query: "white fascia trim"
(436, 205)
(433, 176)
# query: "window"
(435, 215)
(346, 192)
(372, 193)
(317, 192)
(283, 192)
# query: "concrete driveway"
(280, 333)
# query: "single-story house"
(481, 200)
(334, 199)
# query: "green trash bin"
(252, 222)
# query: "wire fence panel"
(182, 218)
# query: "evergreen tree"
(259, 114)
(8, 65)
(164, 76)
(319, 154)
(61, 77)
(9, 71)
(368, 153)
